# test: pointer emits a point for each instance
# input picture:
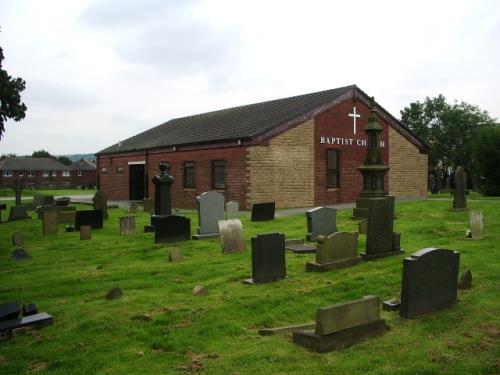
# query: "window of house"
(218, 174)
(65, 173)
(45, 174)
(31, 174)
(104, 170)
(332, 168)
(189, 178)
(79, 173)
(54, 173)
(20, 174)
(7, 173)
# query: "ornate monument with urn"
(163, 193)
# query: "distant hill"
(75, 157)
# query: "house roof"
(243, 123)
(32, 164)
(82, 165)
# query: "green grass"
(159, 327)
(6, 192)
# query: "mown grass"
(158, 326)
(7, 192)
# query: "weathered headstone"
(268, 258)
(263, 211)
(18, 213)
(172, 228)
(343, 325)
(101, 203)
(149, 205)
(127, 225)
(476, 225)
(232, 210)
(18, 188)
(465, 280)
(17, 239)
(210, 211)
(363, 226)
(430, 278)
(89, 217)
(200, 290)
(175, 255)
(231, 236)
(66, 217)
(459, 199)
(114, 293)
(379, 234)
(49, 224)
(85, 232)
(3, 207)
(321, 221)
(337, 250)
(20, 254)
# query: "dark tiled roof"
(229, 124)
(82, 165)
(32, 164)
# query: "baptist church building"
(301, 151)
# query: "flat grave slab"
(36, 320)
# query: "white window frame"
(79, 173)
(7, 173)
(31, 173)
(66, 174)
(20, 174)
(45, 174)
(54, 173)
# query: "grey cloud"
(49, 93)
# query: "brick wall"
(408, 173)
(283, 170)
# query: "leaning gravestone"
(2, 208)
(172, 228)
(210, 211)
(337, 250)
(85, 232)
(101, 203)
(465, 280)
(231, 236)
(343, 325)
(459, 199)
(127, 225)
(268, 258)
(430, 278)
(232, 210)
(49, 224)
(263, 211)
(18, 213)
(476, 225)
(17, 239)
(321, 221)
(89, 217)
(379, 234)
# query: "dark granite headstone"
(268, 258)
(10, 310)
(2, 208)
(100, 200)
(459, 199)
(17, 239)
(430, 278)
(172, 228)
(37, 320)
(114, 293)
(20, 254)
(30, 309)
(89, 217)
(263, 211)
(321, 221)
(210, 210)
(163, 195)
(18, 213)
(379, 234)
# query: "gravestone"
(379, 234)
(101, 203)
(363, 226)
(149, 205)
(231, 236)
(263, 211)
(200, 290)
(18, 213)
(465, 280)
(67, 217)
(132, 208)
(93, 218)
(39, 200)
(163, 195)
(459, 199)
(30, 309)
(268, 258)
(10, 310)
(63, 201)
(20, 254)
(18, 188)
(175, 255)
(232, 210)
(114, 293)
(17, 239)
(343, 325)
(430, 278)
(2, 208)
(172, 228)
(127, 225)
(476, 225)
(321, 221)
(36, 320)
(85, 232)
(49, 224)
(337, 250)
(210, 210)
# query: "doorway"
(137, 182)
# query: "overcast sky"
(101, 71)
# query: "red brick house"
(83, 174)
(300, 151)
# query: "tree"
(449, 129)
(10, 98)
(64, 160)
(42, 154)
(486, 152)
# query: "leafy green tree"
(11, 106)
(486, 152)
(65, 160)
(42, 154)
(449, 129)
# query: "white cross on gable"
(354, 115)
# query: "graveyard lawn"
(7, 192)
(159, 327)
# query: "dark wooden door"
(137, 182)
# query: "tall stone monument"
(459, 199)
(373, 168)
(18, 187)
(163, 193)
